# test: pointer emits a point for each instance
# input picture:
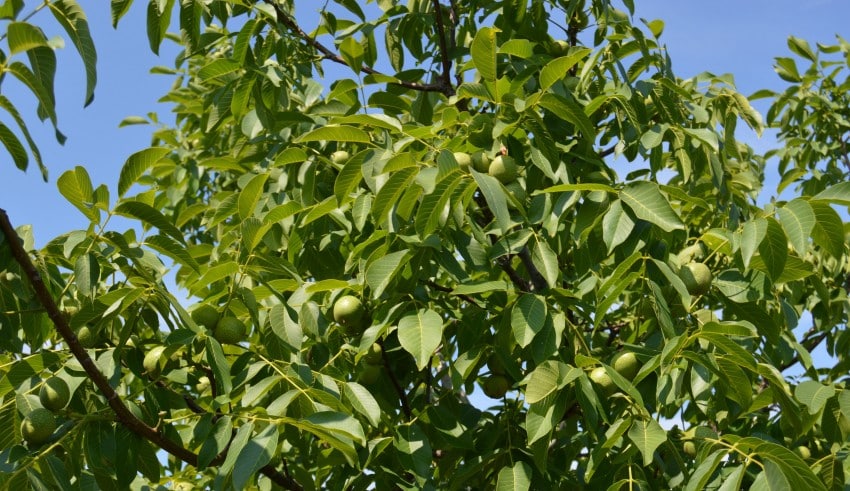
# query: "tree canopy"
(515, 201)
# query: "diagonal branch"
(122, 413)
(284, 19)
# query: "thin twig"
(402, 396)
(122, 413)
(537, 280)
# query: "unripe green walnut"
(350, 314)
(369, 373)
(601, 378)
(464, 160)
(494, 363)
(696, 277)
(559, 48)
(375, 354)
(480, 161)
(503, 168)
(87, 337)
(54, 394)
(689, 448)
(340, 157)
(206, 315)
(626, 364)
(229, 330)
(38, 426)
(803, 452)
(496, 386)
(154, 361)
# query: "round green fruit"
(206, 315)
(375, 355)
(480, 161)
(229, 330)
(87, 337)
(369, 373)
(503, 168)
(626, 364)
(38, 426)
(340, 157)
(496, 386)
(601, 378)
(690, 448)
(464, 160)
(559, 48)
(697, 278)
(494, 363)
(803, 452)
(203, 384)
(54, 394)
(350, 313)
(154, 361)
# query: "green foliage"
(382, 278)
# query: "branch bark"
(445, 77)
(122, 413)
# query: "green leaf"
(136, 165)
(795, 470)
(87, 274)
(527, 318)
(24, 37)
(390, 193)
(558, 68)
(240, 440)
(14, 147)
(828, 231)
(546, 261)
(483, 51)
(216, 441)
(774, 249)
(798, 219)
(149, 216)
(10, 108)
(647, 436)
(786, 68)
(363, 402)
(647, 203)
(702, 474)
(218, 68)
(175, 250)
(219, 365)
(250, 195)
(814, 395)
(752, 235)
(420, 333)
(71, 17)
(837, 194)
(75, 185)
(569, 111)
(45, 100)
(338, 423)
(495, 197)
(335, 133)
(547, 378)
(380, 272)
(801, 48)
(256, 454)
(617, 225)
(516, 478)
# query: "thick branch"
(326, 52)
(537, 279)
(122, 413)
(444, 51)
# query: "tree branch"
(444, 52)
(537, 279)
(122, 413)
(284, 19)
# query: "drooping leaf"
(420, 333)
